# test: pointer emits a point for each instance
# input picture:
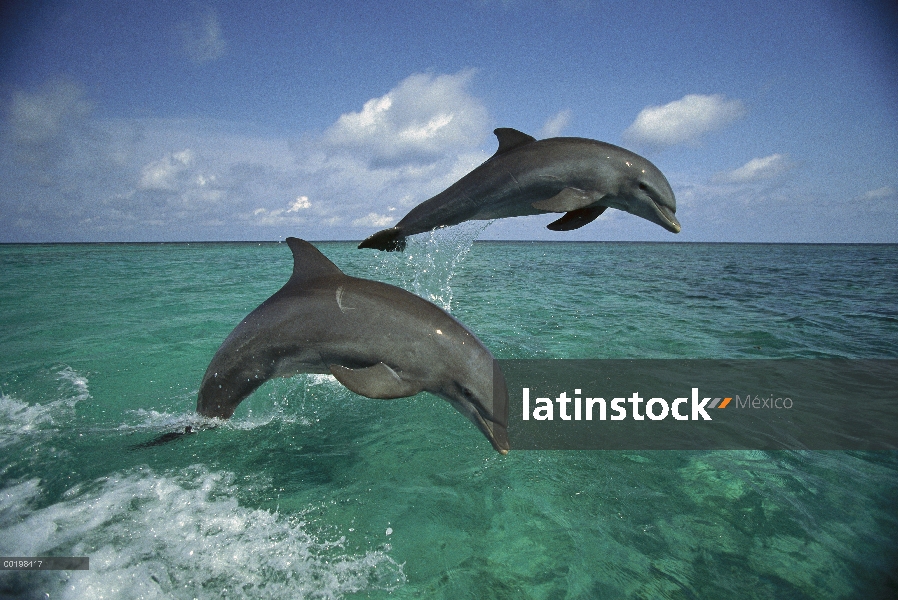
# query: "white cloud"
(683, 120)
(300, 203)
(427, 131)
(290, 215)
(202, 39)
(556, 124)
(374, 220)
(880, 193)
(52, 157)
(371, 115)
(758, 169)
(165, 174)
(40, 116)
(276, 217)
(49, 132)
(146, 179)
(421, 119)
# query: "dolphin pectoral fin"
(391, 240)
(576, 219)
(379, 381)
(567, 200)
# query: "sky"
(196, 121)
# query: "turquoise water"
(312, 491)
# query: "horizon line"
(280, 241)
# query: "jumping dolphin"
(378, 340)
(576, 176)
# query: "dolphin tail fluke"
(390, 240)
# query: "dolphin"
(378, 340)
(576, 176)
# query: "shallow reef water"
(312, 491)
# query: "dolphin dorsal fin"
(509, 139)
(308, 262)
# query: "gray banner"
(801, 404)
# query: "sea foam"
(281, 393)
(20, 419)
(181, 535)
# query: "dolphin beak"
(498, 437)
(489, 414)
(667, 220)
(495, 432)
(498, 425)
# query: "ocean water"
(313, 492)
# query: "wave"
(77, 382)
(20, 419)
(180, 535)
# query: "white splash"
(179, 536)
(78, 382)
(430, 260)
(19, 419)
(281, 407)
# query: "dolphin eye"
(643, 186)
(467, 393)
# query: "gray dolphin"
(576, 176)
(378, 340)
